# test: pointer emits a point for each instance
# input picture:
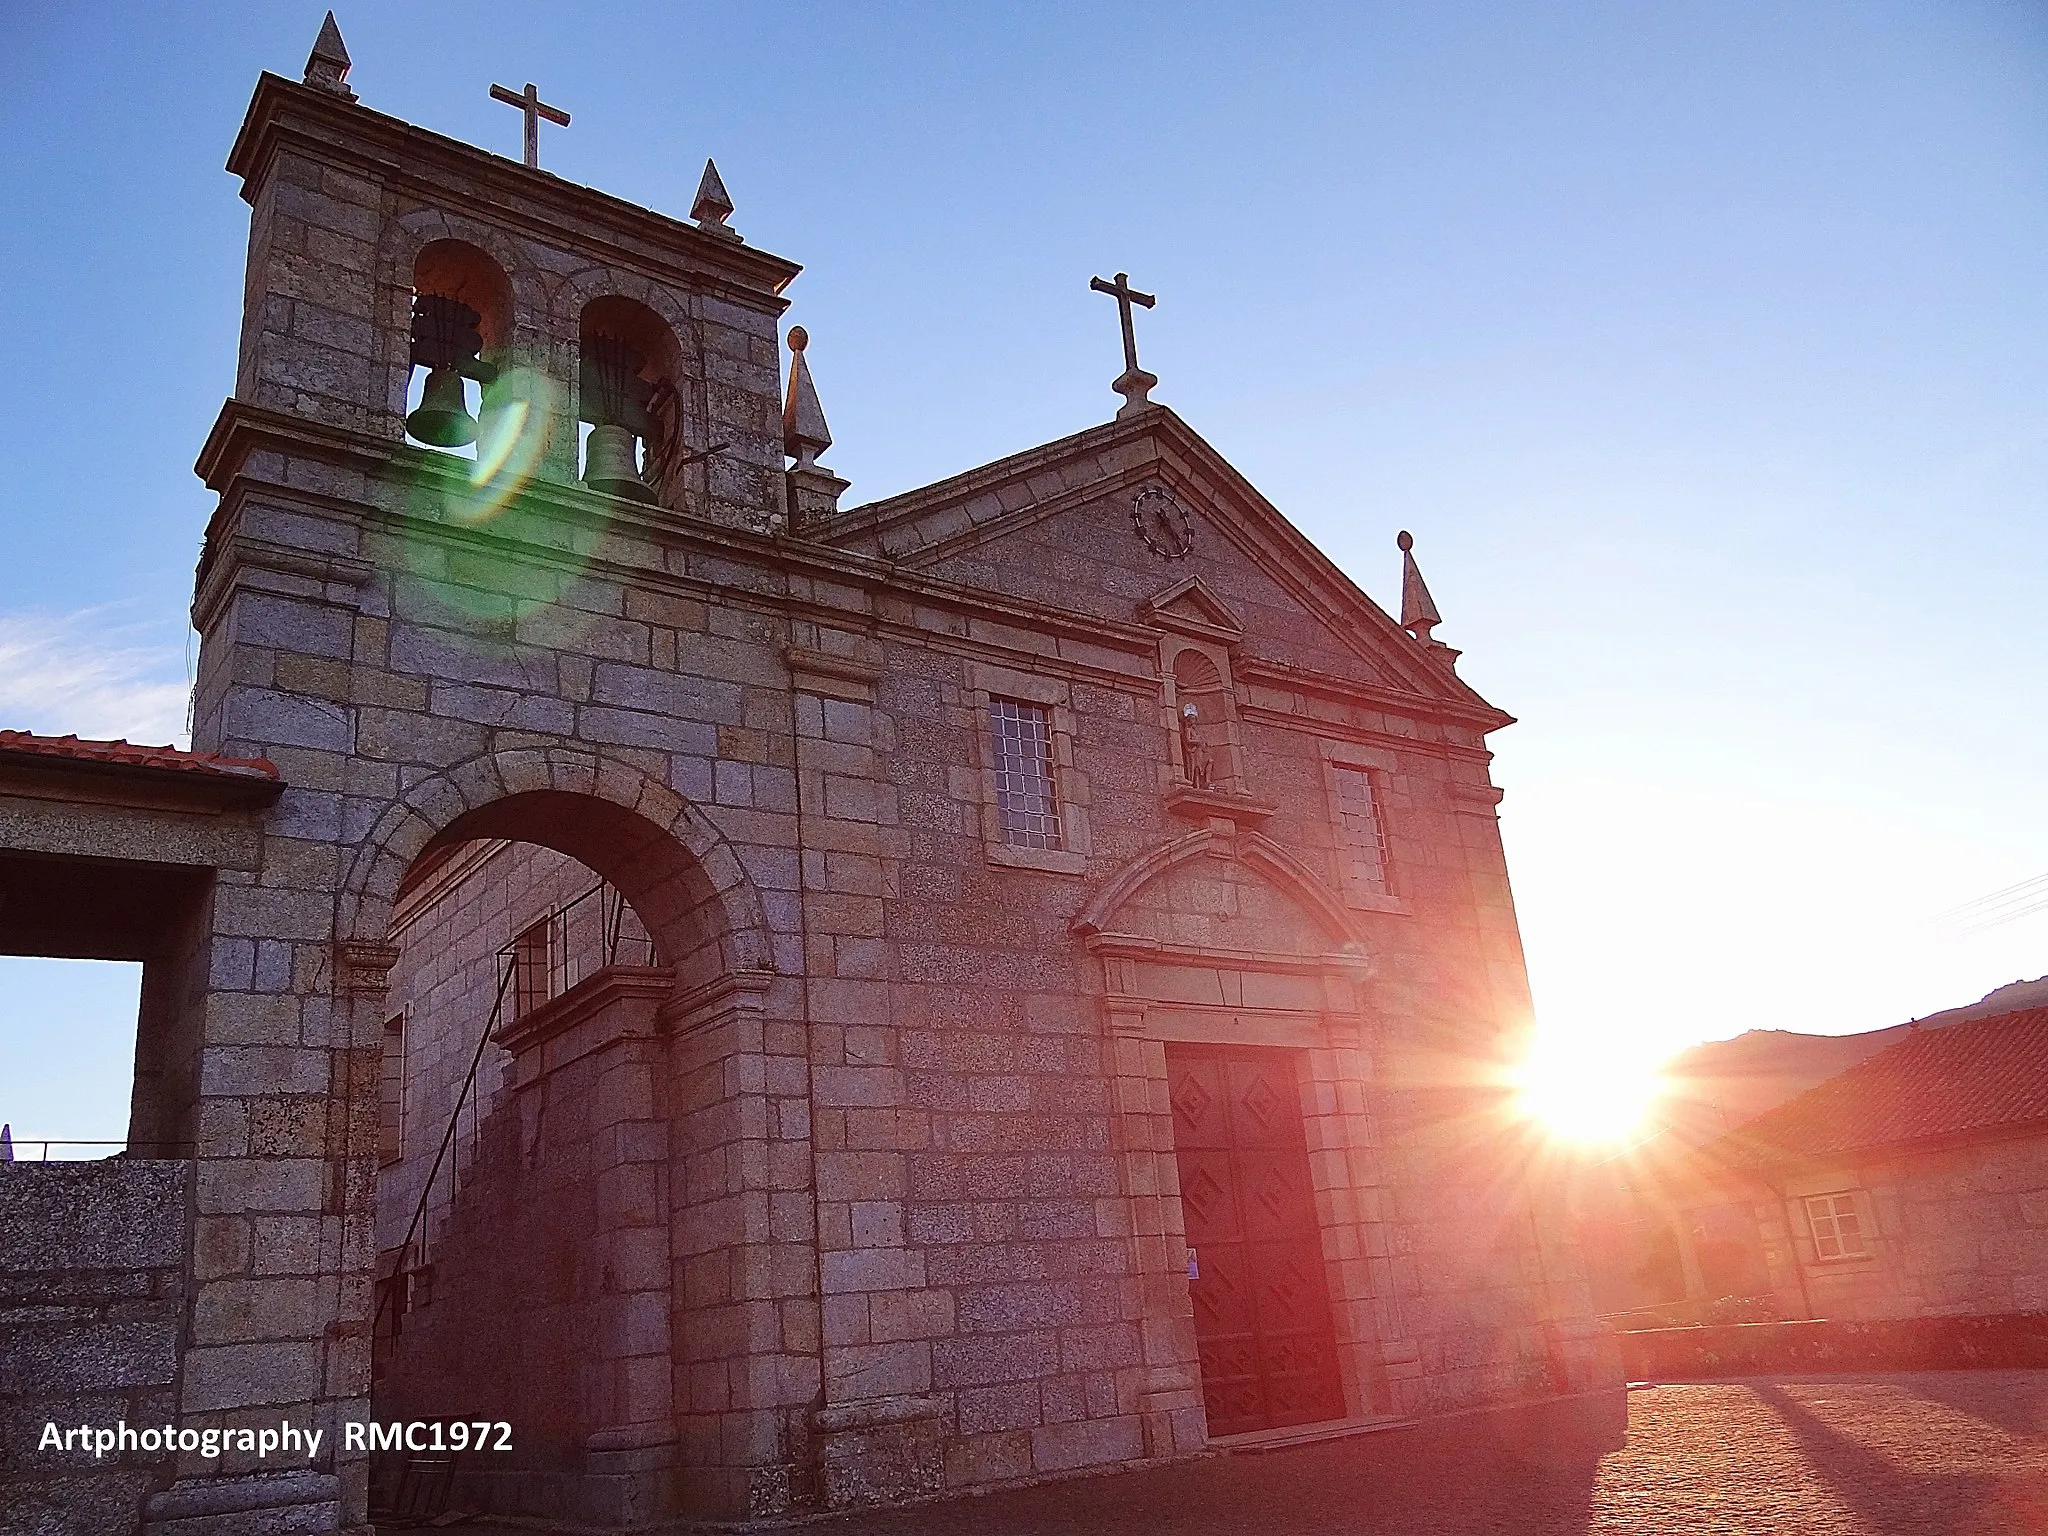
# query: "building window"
(391, 1093)
(1020, 746)
(1360, 833)
(532, 985)
(1836, 1226)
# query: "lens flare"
(514, 429)
(1588, 1091)
(500, 435)
(470, 542)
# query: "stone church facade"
(1054, 955)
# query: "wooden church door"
(1262, 1308)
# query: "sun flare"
(1588, 1092)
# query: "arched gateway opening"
(542, 1118)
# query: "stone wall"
(1997, 1342)
(91, 1292)
(1953, 1230)
(444, 986)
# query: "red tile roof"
(127, 755)
(1980, 1075)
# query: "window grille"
(1360, 832)
(1837, 1227)
(391, 1093)
(531, 981)
(1020, 739)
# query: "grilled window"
(1020, 746)
(532, 983)
(391, 1093)
(1359, 831)
(1837, 1226)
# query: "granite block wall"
(92, 1285)
(1955, 1230)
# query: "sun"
(1586, 1091)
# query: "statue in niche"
(1194, 757)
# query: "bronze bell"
(611, 465)
(443, 417)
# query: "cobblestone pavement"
(1957, 1453)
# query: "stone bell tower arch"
(416, 626)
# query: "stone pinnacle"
(1418, 608)
(328, 64)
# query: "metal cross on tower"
(1134, 383)
(535, 109)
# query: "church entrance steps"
(1255, 1441)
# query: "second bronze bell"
(612, 465)
(442, 418)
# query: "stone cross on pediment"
(1134, 383)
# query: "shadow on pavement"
(1984, 1396)
(1893, 1499)
(1527, 1470)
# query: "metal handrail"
(447, 1138)
(557, 966)
(552, 965)
(10, 1148)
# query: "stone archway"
(567, 1278)
(659, 849)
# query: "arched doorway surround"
(1222, 942)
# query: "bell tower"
(497, 444)
(421, 294)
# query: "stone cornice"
(1324, 728)
(449, 173)
(362, 967)
(808, 661)
(880, 597)
(1251, 849)
(1293, 679)
(584, 1002)
(721, 998)
(1134, 946)
(1210, 806)
(1221, 626)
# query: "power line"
(1998, 908)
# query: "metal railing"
(546, 959)
(586, 933)
(14, 1149)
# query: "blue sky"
(1703, 347)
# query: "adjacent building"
(1913, 1185)
(1906, 1185)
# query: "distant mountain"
(1722, 1083)
(1725, 1082)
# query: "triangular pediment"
(1191, 607)
(1054, 527)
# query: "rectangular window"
(1359, 832)
(530, 979)
(1837, 1228)
(1020, 743)
(391, 1093)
